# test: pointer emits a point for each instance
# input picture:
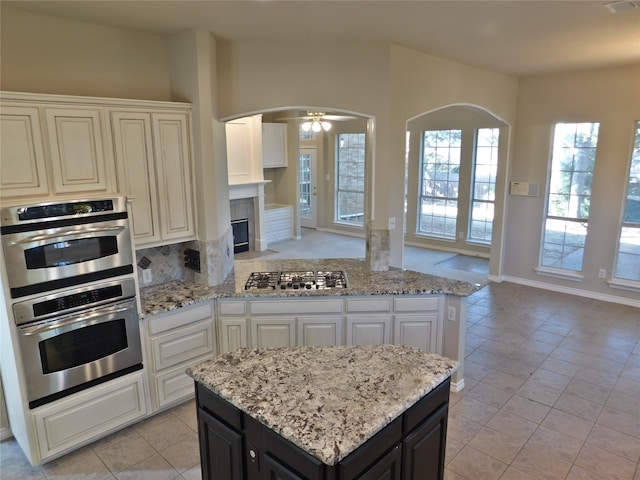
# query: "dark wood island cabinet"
(344, 431)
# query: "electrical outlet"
(147, 276)
(602, 273)
(451, 314)
(392, 223)
(460, 235)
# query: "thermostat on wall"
(526, 189)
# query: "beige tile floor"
(552, 392)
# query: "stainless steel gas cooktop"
(296, 280)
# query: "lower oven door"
(71, 353)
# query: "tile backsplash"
(165, 263)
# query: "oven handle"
(67, 233)
(63, 323)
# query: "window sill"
(434, 237)
(560, 273)
(622, 284)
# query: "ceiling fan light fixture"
(326, 126)
(306, 126)
(316, 127)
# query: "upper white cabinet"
(77, 142)
(274, 145)
(22, 160)
(153, 155)
(244, 150)
(173, 165)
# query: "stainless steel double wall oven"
(70, 274)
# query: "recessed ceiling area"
(509, 36)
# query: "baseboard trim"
(457, 386)
(5, 433)
(569, 290)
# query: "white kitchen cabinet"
(78, 145)
(175, 341)
(91, 414)
(415, 320)
(244, 150)
(274, 145)
(372, 329)
(173, 165)
(154, 161)
(22, 160)
(320, 331)
(278, 222)
(133, 149)
(232, 334)
(273, 332)
(416, 330)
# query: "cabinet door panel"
(369, 330)
(387, 468)
(233, 334)
(134, 156)
(173, 164)
(319, 332)
(267, 332)
(22, 169)
(186, 344)
(78, 159)
(220, 449)
(424, 449)
(416, 330)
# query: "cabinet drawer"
(183, 345)
(416, 304)
(173, 386)
(369, 304)
(294, 307)
(232, 308)
(88, 415)
(178, 318)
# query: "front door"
(308, 187)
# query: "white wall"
(42, 54)
(609, 96)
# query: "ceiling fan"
(316, 120)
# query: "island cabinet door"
(424, 449)
(220, 449)
(388, 467)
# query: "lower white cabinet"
(273, 332)
(89, 415)
(368, 329)
(415, 320)
(320, 331)
(175, 341)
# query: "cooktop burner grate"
(296, 280)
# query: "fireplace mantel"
(247, 189)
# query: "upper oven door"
(46, 259)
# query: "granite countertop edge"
(175, 294)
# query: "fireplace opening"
(240, 235)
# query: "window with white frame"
(569, 195)
(628, 257)
(439, 178)
(483, 187)
(350, 160)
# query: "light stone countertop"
(326, 400)
(361, 281)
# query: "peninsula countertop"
(361, 281)
(326, 400)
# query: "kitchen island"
(395, 306)
(322, 413)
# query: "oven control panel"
(69, 301)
